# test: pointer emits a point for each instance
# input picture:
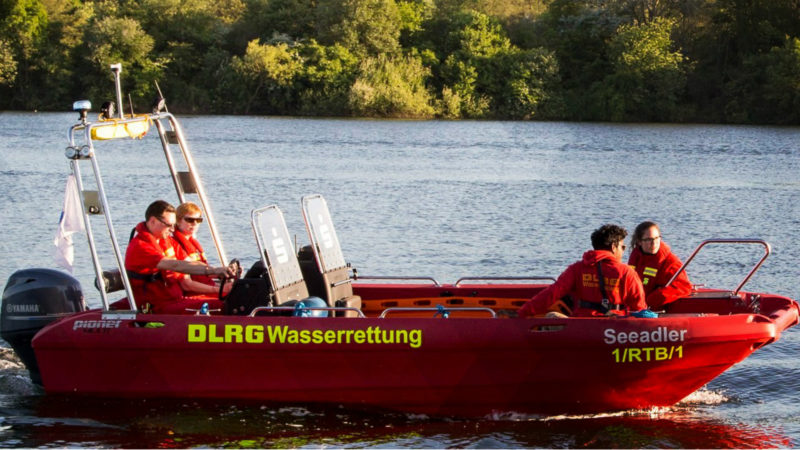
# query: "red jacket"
(194, 252)
(144, 253)
(655, 271)
(580, 282)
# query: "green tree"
(327, 74)
(365, 27)
(486, 76)
(8, 65)
(578, 32)
(528, 84)
(473, 39)
(391, 87)
(648, 78)
(265, 18)
(23, 24)
(56, 59)
(767, 87)
(110, 40)
(267, 72)
(190, 38)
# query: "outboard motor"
(32, 299)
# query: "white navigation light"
(80, 105)
(83, 107)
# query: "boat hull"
(455, 366)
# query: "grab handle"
(767, 250)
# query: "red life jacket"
(149, 284)
(655, 271)
(581, 283)
(194, 252)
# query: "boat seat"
(286, 281)
(112, 281)
(337, 285)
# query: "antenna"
(117, 69)
(161, 100)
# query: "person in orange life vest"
(156, 266)
(655, 264)
(188, 218)
(582, 283)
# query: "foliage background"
(732, 61)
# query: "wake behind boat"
(395, 343)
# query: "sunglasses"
(651, 240)
(166, 224)
(193, 219)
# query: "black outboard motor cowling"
(32, 299)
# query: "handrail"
(306, 308)
(767, 250)
(503, 279)
(448, 309)
(387, 277)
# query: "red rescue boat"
(310, 330)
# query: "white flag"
(71, 222)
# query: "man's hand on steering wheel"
(232, 273)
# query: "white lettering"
(660, 334)
(89, 324)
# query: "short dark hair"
(605, 237)
(157, 209)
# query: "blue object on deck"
(645, 314)
(301, 309)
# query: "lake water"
(440, 199)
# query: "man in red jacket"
(599, 284)
(655, 264)
(156, 267)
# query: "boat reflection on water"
(48, 420)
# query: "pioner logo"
(284, 334)
(95, 324)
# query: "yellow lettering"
(661, 353)
(330, 336)
(197, 333)
(359, 336)
(416, 338)
(233, 333)
(254, 334)
(317, 336)
(212, 334)
(277, 334)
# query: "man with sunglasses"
(156, 265)
(597, 285)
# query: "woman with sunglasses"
(655, 263)
(188, 217)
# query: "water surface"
(440, 199)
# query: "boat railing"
(356, 276)
(765, 244)
(96, 202)
(535, 278)
(258, 309)
(439, 311)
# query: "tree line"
(728, 61)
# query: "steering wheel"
(237, 272)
